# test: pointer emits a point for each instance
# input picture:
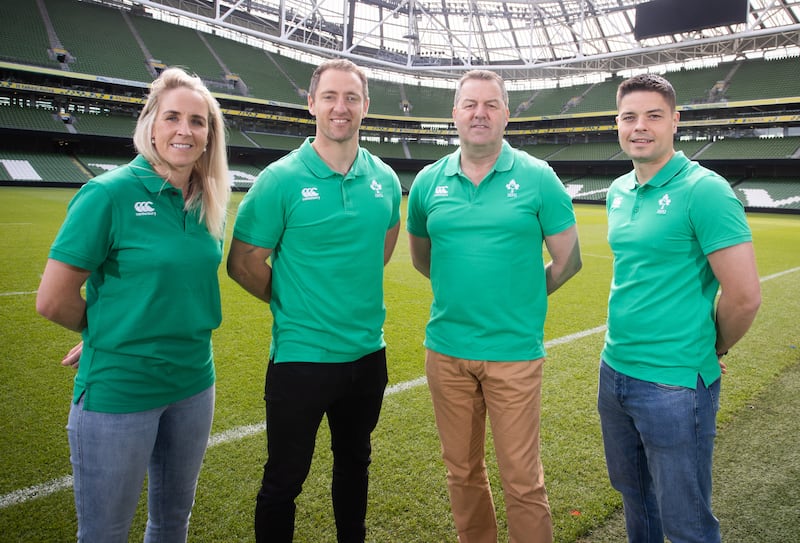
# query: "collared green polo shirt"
(326, 232)
(487, 266)
(661, 305)
(153, 293)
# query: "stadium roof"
(524, 39)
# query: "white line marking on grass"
(38, 491)
(17, 293)
(234, 434)
(575, 336)
(593, 255)
(779, 274)
(405, 385)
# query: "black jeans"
(297, 395)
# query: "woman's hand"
(73, 357)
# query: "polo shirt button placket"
(637, 203)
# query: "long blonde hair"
(209, 188)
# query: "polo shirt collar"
(504, 162)
(314, 162)
(667, 173)
(143, 170)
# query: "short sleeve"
(417, 220)
(718, 217)
(398, 190)
(85, 238)
(261, 218)
(557, 213)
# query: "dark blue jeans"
(659, 443)
(298, 395)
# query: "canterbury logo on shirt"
(144, 208)
(310, 193)
(441, 190)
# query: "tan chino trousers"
(463, 391)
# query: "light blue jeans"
(110, 454)
(659, 443)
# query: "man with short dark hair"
(678, 233)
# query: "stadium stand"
(598, 97)
(41, 167)
(689, 148)
(258, 74)
(98, 41)
(237, 138)
(24, 35)
(72, 75)
(760, 79)
(31, 118)
(543, 150)
(387, 98)
(750, 147)
(386, 149)
(430, 152)
(274, 141)
(695, 85)
(587, 151)
(98, 164)
(104, 124)
(769, 193)
(589, 188)
(178, 46)
(429, 102)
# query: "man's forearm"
(734, 318)
(258, 284)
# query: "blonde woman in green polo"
(146, 240)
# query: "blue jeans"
(298, 395)
(659, 443)
(110, 454)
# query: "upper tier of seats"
(114, 43)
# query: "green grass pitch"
(408, 497)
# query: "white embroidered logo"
(617, 203)
(310, 193)
(663, 203)
(512, 187)
(144, 208)
(441, 190)
(377, 188)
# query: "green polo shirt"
(661, 305)
(487, 266)
(152, 298)
(326, 232)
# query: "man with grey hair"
(477, 220)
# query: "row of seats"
(40, 167)
(754, 193)
(18, 167)
(29, 118)
(112, 43)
